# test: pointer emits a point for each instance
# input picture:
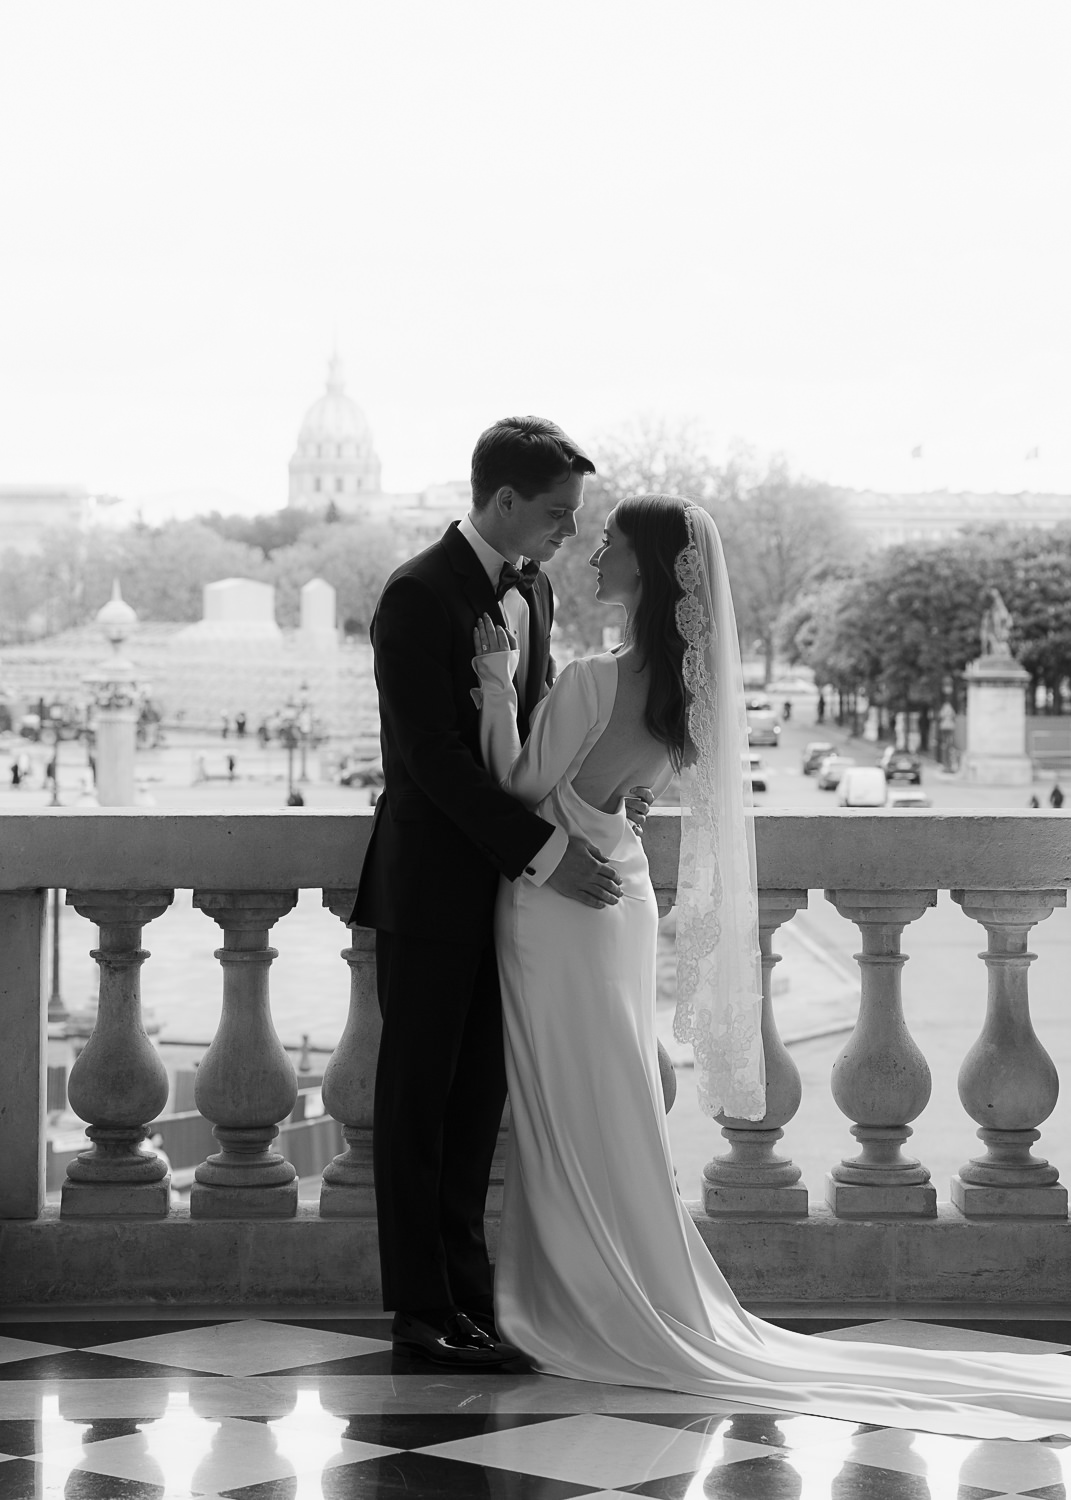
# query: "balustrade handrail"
(303, 849)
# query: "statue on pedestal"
(996, 705)
(996, 627)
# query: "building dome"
(335, 460)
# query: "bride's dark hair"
(658, 532)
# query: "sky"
(825, 229)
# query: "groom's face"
(540, 525)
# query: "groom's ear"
(505, 497)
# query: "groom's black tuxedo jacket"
(444, 829)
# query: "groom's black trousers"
(440, 1093)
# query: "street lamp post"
(288, 735)
(304, 726)
(57, 1011)
(55, 713)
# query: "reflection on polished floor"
(317, 1408)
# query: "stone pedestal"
(116, 732)
(996, 723)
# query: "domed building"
(334, 460)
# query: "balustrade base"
(979, 1201)
(311, 1260)
(726, 1200)
(276, 1201)
(116, 1200)
(860, 1200)
(339, 1201)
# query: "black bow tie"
(519, 578)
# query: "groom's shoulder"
(429, 566)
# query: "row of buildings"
(335, 464)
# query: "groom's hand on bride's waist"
(584, 875)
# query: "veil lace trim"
(719, 974)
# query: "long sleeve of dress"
(559, 726)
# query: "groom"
(443, 833)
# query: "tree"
(270, 532)
(908, 619)
(355, 557)
(782, 535)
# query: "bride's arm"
(558, 724)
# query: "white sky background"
(833, 229)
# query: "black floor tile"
(751, 1479)
(386, 1362)
(22, 1480)
(419, 1476)
(412, 1430)
(83, 1335)
(867, 1482)
(365, 1328)
(1049, 1331)
(82, 1485)
(20, 1438)
(80, 1364)
(818, 1325)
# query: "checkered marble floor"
(318, 1408)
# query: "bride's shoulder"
(594, 669)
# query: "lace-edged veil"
(719, 974)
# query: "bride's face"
(618, 580)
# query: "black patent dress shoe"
(450, 1339)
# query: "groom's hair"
(529, 454)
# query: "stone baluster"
(881, 1080)
(752, 1179)
(245, 1082)
(348, 1189)
(1008, 1082)
(118, 1082)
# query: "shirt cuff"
(543, 864)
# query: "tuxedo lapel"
(538, 630)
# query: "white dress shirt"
(515, 608)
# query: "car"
(901, 763)
(366, 774)
(814, 754)
(831, 770)
(863, 786)
(906, 797)
(762, 725)
(756, 772)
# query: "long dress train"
(601, 1274)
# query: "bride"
(601, 1273)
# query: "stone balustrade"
(876, 1233)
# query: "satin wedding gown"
(601, 1273)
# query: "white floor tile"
(251, 1347)
(909, 1335)
(598, 1450)
(12, 1349)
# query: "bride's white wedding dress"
(601, 1274)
